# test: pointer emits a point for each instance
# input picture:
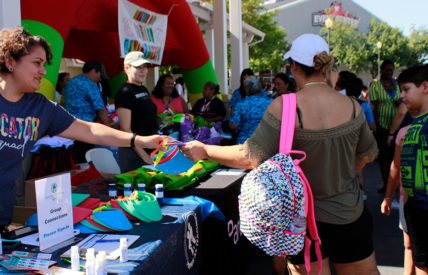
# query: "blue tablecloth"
(170, 246)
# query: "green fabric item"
(88, 224)
(145, 207)
(170, 182)
(77, 198)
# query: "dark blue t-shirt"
(414, 163)
(22, 123)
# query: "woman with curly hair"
(27, 116)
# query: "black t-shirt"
(208, 109)
(143, 111)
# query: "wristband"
(133, 140)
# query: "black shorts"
(417, 227)
(342, 244)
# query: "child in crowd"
(414, 167)
(393, 182)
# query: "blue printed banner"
(141, 30)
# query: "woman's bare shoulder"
(275, 108)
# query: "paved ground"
(388, 238)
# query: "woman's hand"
(195, 150)
(151, 142)
(385, 208)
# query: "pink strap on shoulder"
(288, 121)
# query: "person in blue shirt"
(239, 93)
(414, 164)
(83, 100)
(353, 88)
(250, 110)
(27, 116)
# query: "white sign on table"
(54, 210)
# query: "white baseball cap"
(135, 59)
(305, 48)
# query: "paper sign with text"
(141, 30)
(54, 210)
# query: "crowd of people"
(341, 128)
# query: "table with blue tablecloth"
(169, 246)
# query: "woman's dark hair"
(212, 86)
(180, 80)
(353, 87)
(283, 77)
(17, 43)
(416, 75)
(244, 72)
(157, 91)
(385, 63)
(344, 77)
(61, 77)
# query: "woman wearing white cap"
(331, 129)
(135, 110)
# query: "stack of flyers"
(21, 260)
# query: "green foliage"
(395, 46)
(347, 46)
(168, 69)
(359, 52)
(268, 54)
(419, 44)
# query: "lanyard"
(206, 105)
(167, 107)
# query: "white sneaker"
(395, 204)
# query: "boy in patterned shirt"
(414, 163)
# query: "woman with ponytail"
(332, 130)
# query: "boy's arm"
(393, 182)
(398, 119)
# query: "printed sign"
(337, 14)
(54, 210)
(141, 30)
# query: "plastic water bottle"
(141, 187)
(90, 262)
(123, 250)
(127, 190)
(112, 190)
(75, 258)
(298, 223)
(159, 192)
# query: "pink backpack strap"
(312, 226)
(289, 105)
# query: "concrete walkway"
(388, 238)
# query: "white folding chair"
(103, 160)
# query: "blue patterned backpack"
(276, 203)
